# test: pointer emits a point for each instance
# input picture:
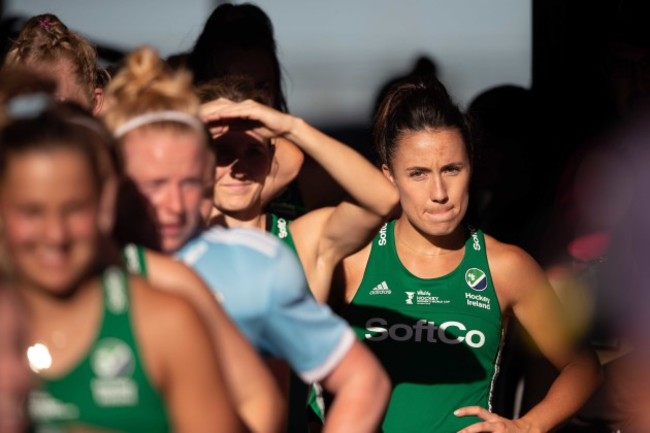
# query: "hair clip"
(28, 106)
(45, 24)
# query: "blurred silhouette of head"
(239, 40)
(627, 59)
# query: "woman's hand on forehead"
(222, 115)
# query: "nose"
(55, 229)
(174, 200)
(438, 190)
(239, 169)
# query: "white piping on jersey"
(345, 343)
(497, 368)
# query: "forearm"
(255, 393)
(568, 393)
(359, 405)
(262, 414)
(356, 175)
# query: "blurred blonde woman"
(108, 349)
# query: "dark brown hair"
(418, 103)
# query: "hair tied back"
(45, 23)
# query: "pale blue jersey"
(261, 285)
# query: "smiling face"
(49, 206)
(243, 163)
(431, 170)
(168, 166)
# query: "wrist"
(296, 127)
(529, 426)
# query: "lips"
(52, 257)
(236, 186)
(170, 229)
(439, 211)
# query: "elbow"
(389, 204)
(383, 387)
(376, 384)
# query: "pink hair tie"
(44, 23)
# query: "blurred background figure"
(47, 47)
(15, 376)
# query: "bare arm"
(522, 286)
(254, 391)
(349, 225)
(327, 235)
(287, 159)
(361, 389)
(178, 351)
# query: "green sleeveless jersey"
(300, 394)
(108, 390)
(134, 259)
(439, 339)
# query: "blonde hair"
(146, 84)
(45, 39)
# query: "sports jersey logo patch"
(112, 358)
(117, 300)
(476, 279)
(282, 228)
(423, 297)
(381, 289)
(113, 363)
(382, 235)
(423, 331)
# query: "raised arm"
(325, 236)
(254, 391)
(522, 287)
(287, 159)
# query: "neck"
(46, 306)
(255, 219)
(424, 244)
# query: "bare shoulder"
(168, 273)
(164, 324)
(515, 273)
(160, 309)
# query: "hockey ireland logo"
(476, 279)
(113, 363)
(112, 358)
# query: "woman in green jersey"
(432, 296)
(244, 132)
(109, 351)
(68, 62)
(257, 148)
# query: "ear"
(387, 173)
(98, 101)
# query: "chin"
(62, 286)
(171, 245)
(440, 228)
